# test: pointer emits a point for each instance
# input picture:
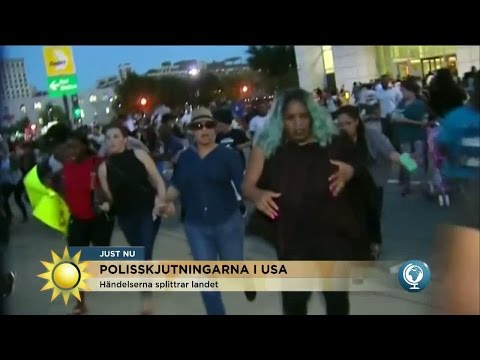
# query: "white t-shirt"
(331, 106)
(99, 139)
(130, 124)
(367, 97)
(235, 124)
(389, 99)
(257, 124)
(185, 120)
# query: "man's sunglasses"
(197, 125)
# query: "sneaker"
(251, 295)
(9, 283)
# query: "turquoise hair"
(271, 136)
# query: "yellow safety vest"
(47, 205)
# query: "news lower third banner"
(123, 269)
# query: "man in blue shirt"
(203, 179)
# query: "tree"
(173, 91)
(233, 84)
(166, 90)
(277, 64)
(133, 89)
(206, 87)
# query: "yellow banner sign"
(58, 60)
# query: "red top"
(80, 180)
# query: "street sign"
(62, 85)
(58, 60)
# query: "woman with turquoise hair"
(301, 176)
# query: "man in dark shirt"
(172, 145)
(235, 139)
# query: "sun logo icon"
(66, 276)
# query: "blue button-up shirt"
(205, 185)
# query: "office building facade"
(336, 66)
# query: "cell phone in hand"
(407, 161)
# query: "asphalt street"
(410, 225)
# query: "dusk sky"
(94, 62)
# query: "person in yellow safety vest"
(48, 206)
(44, 182)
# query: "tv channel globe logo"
(414, 275)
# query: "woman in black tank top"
(136, 191)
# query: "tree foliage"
(277, 64)
(166, 90)
(278, 70)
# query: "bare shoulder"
(140, 154)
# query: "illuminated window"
(328, 62)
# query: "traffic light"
(77, 112)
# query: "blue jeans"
(140, 229)
(219, 242)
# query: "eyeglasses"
(209, 124)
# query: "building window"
(37, 105)
(328, 62)
(93, 98)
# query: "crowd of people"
(313, 166)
